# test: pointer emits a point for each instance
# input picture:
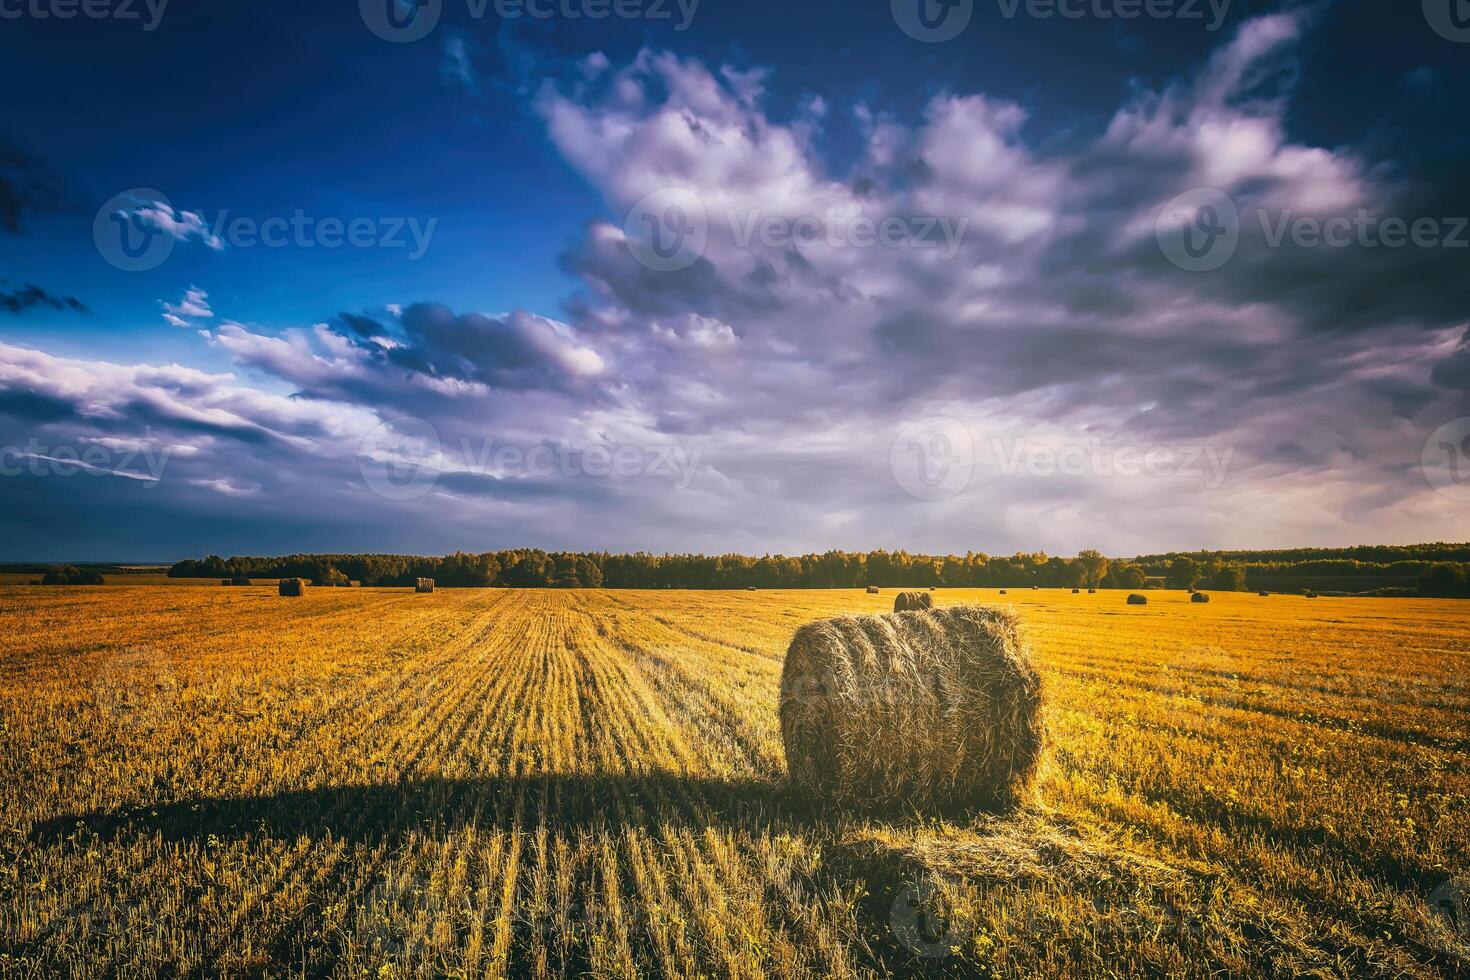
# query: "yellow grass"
(493, 783)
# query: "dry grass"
(486, 783)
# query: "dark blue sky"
(267, 109)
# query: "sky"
(699, 275)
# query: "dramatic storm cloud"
(972, 330)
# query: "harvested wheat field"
(486, 783)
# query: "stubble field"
(199, 782)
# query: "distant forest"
(1431, 569)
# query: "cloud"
(1303, 381)
(457, 68)
(193, 305)
(28, 186)
(19, 300)
(429, 356)
(181, 225)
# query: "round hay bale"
(872, 590)
(1263, 594)
(935, 710)
(1199, 597)
(292, 587)
(1092, 591)
(905, 601)
(1002, 591)
(1310, 594)
(1076, 591)
(1137, 600)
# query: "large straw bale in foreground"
(905, 601)
(934, 710)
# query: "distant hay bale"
(240, 580)
(1076, 591)
(292, 587)
(424, 585)
(872, 590)
(1199, 597)
(1310, 594)
(226, 581)
(1137, 600)
(1002, 591)
(906, 601)
(750, 588)
(935, 710)
(1263, 594)
(1092, 591)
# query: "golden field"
(491, 783)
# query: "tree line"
(1412, 568)
(529, 568)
